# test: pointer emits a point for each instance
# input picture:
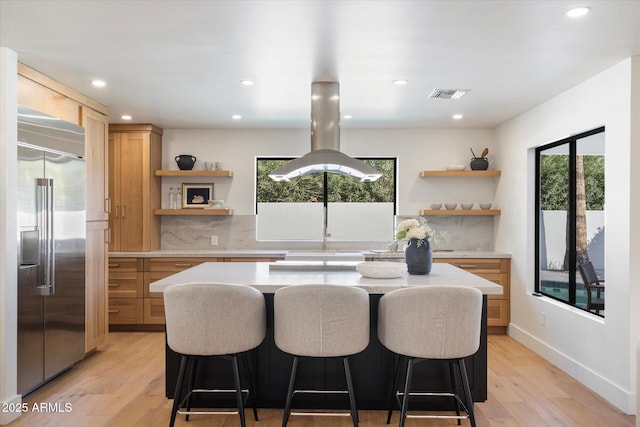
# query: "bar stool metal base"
(292, 391)
(402, 397)
(242, 395)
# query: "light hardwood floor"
(123, 385)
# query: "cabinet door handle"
(107, 236)
(468, 266)
(114, 311)
(107, 205)
(123, 210)
(114, 285)
(182, 265)
(116, 211)
(114, 265)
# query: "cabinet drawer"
(478, 265)
(125, 285)
(125, 264)
(152, 276)
(154, 311)
(125, 311)
(497, 313)
(174, 264)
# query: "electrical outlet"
(214, 240)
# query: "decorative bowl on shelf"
(466, 206)
(436, 206)
(455, 167)
(450, 206)
(216, 203)
(381, 269)
(484, 206)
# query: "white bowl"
(455, 167)
(216, 203)
(450, 206)
(381, 269)
(484, 206)
(436, 206)
(466, 206)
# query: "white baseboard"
(5, 416)
(625, 400)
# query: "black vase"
(185, 161)
(479, 164)
(419, 258)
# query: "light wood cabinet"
(96, 296)
(131, 304)
(159, 268)
(125, 291)
(135, 152)
(498, 270)
(47, 100)
(96, 127)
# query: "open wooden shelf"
(200, 172)
(461, 212)
(193, 212)
(465, 173)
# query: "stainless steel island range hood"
(325, 155)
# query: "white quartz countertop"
(280, 253)
(258, 275)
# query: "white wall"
(8, 233)
(417, 149)
(598, 352)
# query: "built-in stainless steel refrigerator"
(51, 210)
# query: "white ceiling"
(178, 64)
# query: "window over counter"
(570, 213)
(356, 211)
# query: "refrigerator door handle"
(45, 219)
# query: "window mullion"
(572, 222)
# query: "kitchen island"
(371, 369)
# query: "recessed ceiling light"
(247, 82)
(236, 117)
(577, 12)
(457, 117)
(347, 116)
(125, 117)
(98, 83)
(400, 82)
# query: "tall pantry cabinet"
(135, 152)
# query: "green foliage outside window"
(554, 182)
(340, 188)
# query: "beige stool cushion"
(431, 322)
(207, 319)
(321, 320)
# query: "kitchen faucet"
(325, 234)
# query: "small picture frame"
(196, 195)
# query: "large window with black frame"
(354, 210)
(570, 226)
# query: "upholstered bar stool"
(321, 321)
(431, 323)
(206, 319)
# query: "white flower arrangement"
(411, 229)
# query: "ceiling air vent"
(448, 93)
